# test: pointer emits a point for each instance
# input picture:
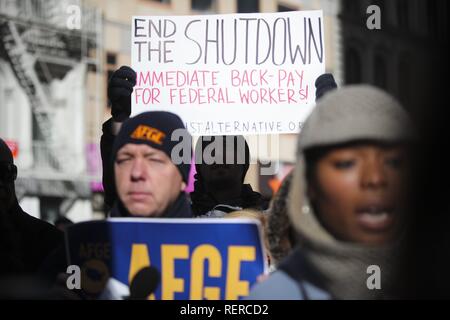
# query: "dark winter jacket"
(32, 241)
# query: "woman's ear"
(183, 186)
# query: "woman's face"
(358, 191)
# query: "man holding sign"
(150, 181)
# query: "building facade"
(402, 55)
(55, 61)
(45, 63)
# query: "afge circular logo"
(94, 276)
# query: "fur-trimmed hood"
(278, 228)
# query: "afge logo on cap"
(144, 132)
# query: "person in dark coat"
(207, 200)
(120, 87)
(219, 182)
(25, 241)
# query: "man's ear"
(183, 186)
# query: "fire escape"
(40, 49)
(23, 66)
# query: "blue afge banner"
(198, 259)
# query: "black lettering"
(223, 43)
(311, 35)
(139, 43)
(246, 36)
(166, 28)
(257, 41)
(157, 29)
(136, 28)
(198, 44)
(166, 51)
(284, 42)
(297, 47)
(216, 41)
(150, 50)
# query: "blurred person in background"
(219, 186)
(26, 240)
(120, 88)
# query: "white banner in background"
(229, 74)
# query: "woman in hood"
(346, 201)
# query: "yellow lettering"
(170, 284)
(235, 287)
(137, 134)
(148, 133)
(139, 259)
(200, 254)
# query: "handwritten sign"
(229, 74)
(197, 258)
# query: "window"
(111, 58)
(282, 8)
(248, 6)
(201, 5)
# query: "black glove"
(324, 83)
(120, 87)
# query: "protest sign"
(229, 74)
(197, 258)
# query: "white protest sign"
(229, 74)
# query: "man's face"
(7, 192)
(359, 192)
(147, 181)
